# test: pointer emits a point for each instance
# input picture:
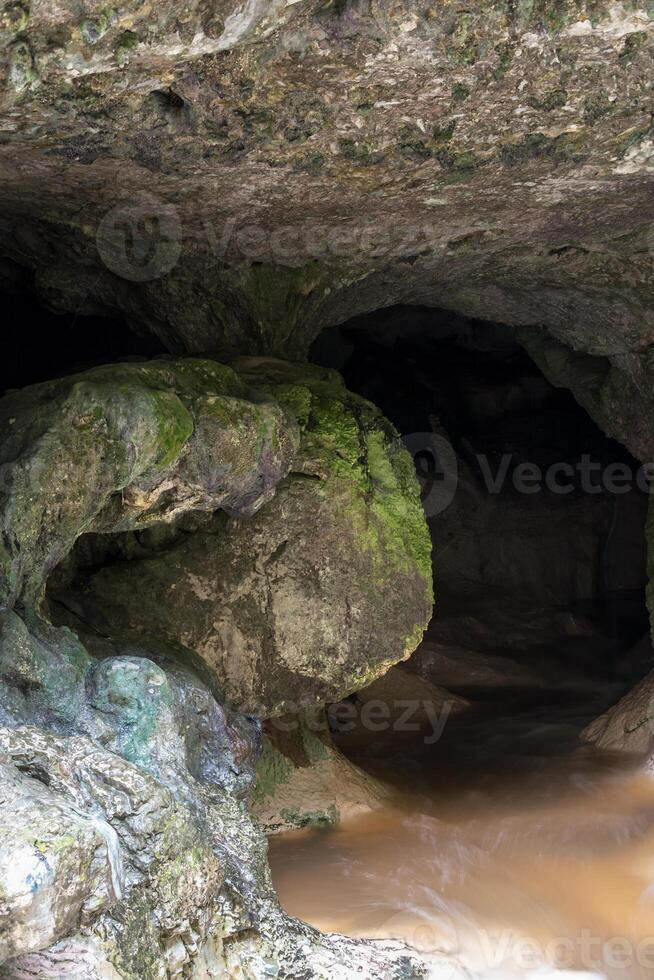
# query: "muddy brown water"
(510, 847)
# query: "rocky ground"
(128, 848)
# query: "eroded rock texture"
(306, 162)
(126, 446)
(281, 607)
(127, 846)
(232, 178)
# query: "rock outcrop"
(628, 726)
(280, 607)
(108, 871)
(127, 845)
(302, 780)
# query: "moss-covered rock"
(320, 591)
(125, 446)
(304, 781)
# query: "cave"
(386, 804)
(326, 442)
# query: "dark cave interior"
(560, 574)
(540, 591)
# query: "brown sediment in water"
(518, 850)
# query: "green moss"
(365, 471)
(460, 92)
(632, 45)
(413, 143)
(93, 29)
(272, 769)
(311, 818)
(297, 398)
(554, 99)
(127, 42)
(414, 639)
(14, 19)
(504, 52)
(596, 106)
(23, 72)
(465, 49)
(458, 161)
(358, 151)
(443, 134)
(174, 428)
(310, 163)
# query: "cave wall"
(231, 179)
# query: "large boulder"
(318, 593)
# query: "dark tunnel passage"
(501, 782)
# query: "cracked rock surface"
(127, 844)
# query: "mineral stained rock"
(107, 873)
(127, 846)
(124, 446)
(318, 593)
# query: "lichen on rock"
(281, 606)
(125, 446)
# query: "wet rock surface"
(628, 726)
(303, 780)
(279, 607)
(128, 848)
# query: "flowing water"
(511, 847)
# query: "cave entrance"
(504, 820)
(536, 517)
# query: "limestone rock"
(59, 866)
(281, 606)
(629, 725)
(304, 781)
(234, 177)
(184, 891)
(124, 446)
